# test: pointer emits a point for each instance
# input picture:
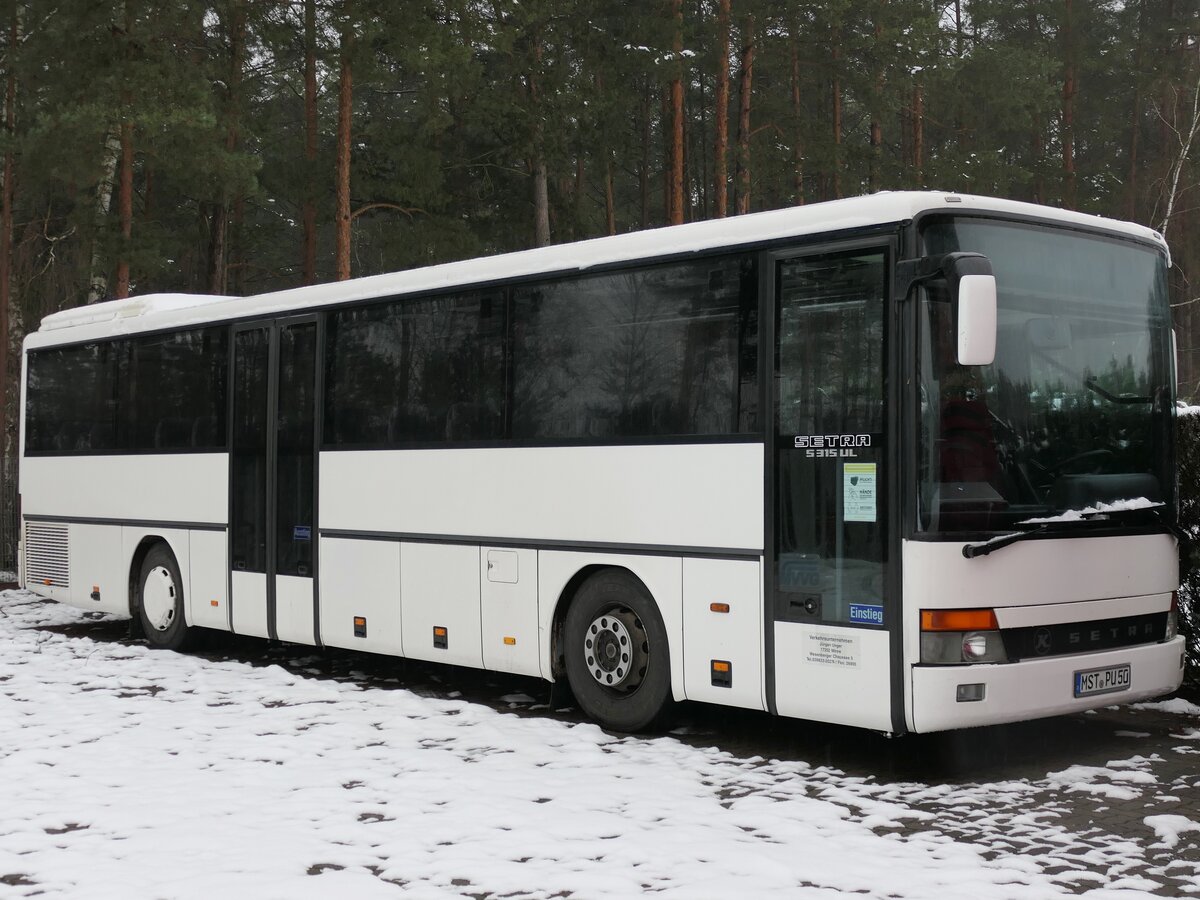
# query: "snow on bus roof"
(155, 311)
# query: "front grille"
(47, 559)
(1039, 642)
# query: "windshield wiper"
(983, 548)
(1092, 385)
(1140, 513)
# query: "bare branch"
(408, 211)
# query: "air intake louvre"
(47, 560)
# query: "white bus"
(818, 462)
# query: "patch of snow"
(1176, 705)
(1170, 828)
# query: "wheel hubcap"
(614, 650)
(158, 599)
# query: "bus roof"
(157, 311)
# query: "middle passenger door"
(273, 478)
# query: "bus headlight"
(956, 636)
(957, 647)
(1172, 618)
(975, 645)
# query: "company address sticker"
(831, 648)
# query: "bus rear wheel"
(616, 655)
(160, 601)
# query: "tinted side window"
(176, 399)
(426, 370)
(72, 398)
(669, 350)
(163, 392)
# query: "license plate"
(1102, 681)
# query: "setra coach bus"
(902, 462)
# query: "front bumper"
(1032, 689)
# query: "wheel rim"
(158, 598)
(616, 650)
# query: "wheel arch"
(143, 544)
(561, 605)
(562, 574)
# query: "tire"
(617, 659)
(160, 601)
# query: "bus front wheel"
(160, 601)
(617, 660)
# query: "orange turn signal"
(959, 620)
(718, 607)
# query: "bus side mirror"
(973, 292)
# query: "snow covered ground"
(262, 772)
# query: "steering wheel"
(1098, 457)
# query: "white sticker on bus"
(831, 648)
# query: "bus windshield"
(1076, 408)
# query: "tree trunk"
(876, 112)
(958, 29)
(1135, 117)
(218, 256)
(675, 216)
(837, 119)
(125, 209)
(721, 125)
(746, 77)
(342, 188)
(233, 140)
(668, 169)
(644, 163)
(308, 213)
(537, 163)
(6, 222)
(610, 202)
(797, 120)
(125, 195)
(1068, 108)
(541, 204)
(1037, 143)
(217, 238)
(918, 133)
(98, 282)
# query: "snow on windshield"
(1075, 515)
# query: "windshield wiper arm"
(983, 548)
(1156, 512)
(1092, 385)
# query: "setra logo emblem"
(1041, 641)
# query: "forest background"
(241, 146)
